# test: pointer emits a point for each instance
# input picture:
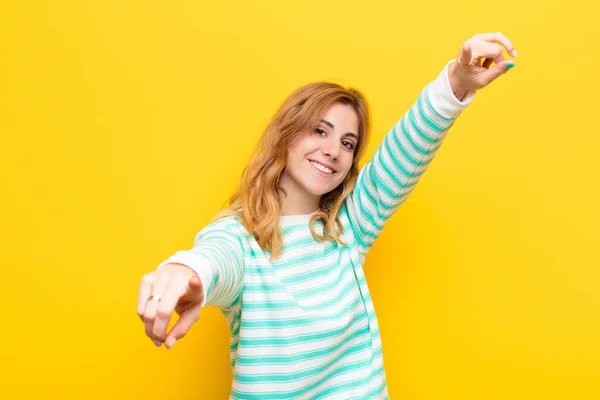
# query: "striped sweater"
(304, 326)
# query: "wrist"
(459, 91)
(184, 269)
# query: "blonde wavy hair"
(257, 200)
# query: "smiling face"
(319, 159)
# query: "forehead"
(342, 116)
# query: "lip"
(324, 164)
(323, 174)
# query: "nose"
(331, 149)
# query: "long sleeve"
(218, 259)
(386, 181)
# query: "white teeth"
(321, 167)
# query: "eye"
(320, 131)
(348, 145)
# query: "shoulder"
(229, 222)
(227, 228)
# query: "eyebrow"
(347, 133)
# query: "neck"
(298, 210)
(297, 201)
(295, 205)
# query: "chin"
(319, 190)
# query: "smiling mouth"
(321, 168)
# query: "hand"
(178, 289)
(467, 76)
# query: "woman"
(284, 261)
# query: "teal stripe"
(361, 194)
(303, 294)
(260, 271)
(298, 321)
(298, 227)
(380, 186)
(392, 172)
(422, 134)
(301, 338)
(430, 132)
(405, 125)
(290, 394)
(426, 114)
(305, 355)
(264, 287)
(431, 108)
(374, 393)
(302, 259)
(310, 274)
(340, 388)
(299, 243)
(301, 374)
(399, 148)
(277, 305)
(297, 261)
(270, 305)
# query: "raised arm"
(387, 180)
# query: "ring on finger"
(154, 297)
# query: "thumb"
(194, 290)
(497, 70)
(183, 325)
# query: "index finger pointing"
(171, 296)
(500, 38)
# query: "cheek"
(348, 164)
(294, 157)
(293, 151)
(298, 148)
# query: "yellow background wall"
(126, 124)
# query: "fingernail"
(510, 64)
(158, 343)
(515, 53)
(171, 342)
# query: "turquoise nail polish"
(510, 65)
